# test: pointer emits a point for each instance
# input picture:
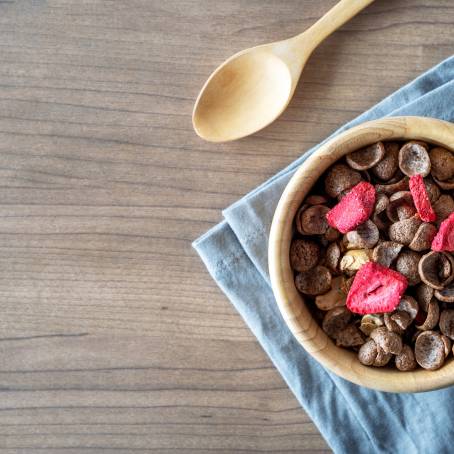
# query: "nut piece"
(339, 178)
(442, 161)
(364, 237)
(446, 295)
(407, 264)
(447, 323)
(388, 166)
(405, 360)
(386, 252)
(424, 294)
(423, 237)
(436, 269)
(443, 207)
(353, 260)
(366, 157)
(313, 220)
(432, 317)
(397, 321)
(369, 322)
(332, 257)
(404, 231)
(304, 255)
(350, 336)
(336, 320)
(388, 341)
(334, 298)
(414, 159)
(430, 350)
(314, 282)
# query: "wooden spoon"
(253, 87)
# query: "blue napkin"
(351, 418)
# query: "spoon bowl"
(252, 88)
(249, 82)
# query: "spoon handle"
(337, 16)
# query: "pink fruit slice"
(444, 239)
(376, 289)
(354, 209)
(421, 199)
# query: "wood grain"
(113, 336)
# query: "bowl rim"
(290, 302)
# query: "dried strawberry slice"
(376, 289)
(444, 239)
(421, 199)
(354, 209)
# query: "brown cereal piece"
(448, 344)
(365, 236)
(332, 257)
(340, 178)
(414, 159)
(423, 237)
(430, 350)
(350, 336)
(336, 320)
(381, 203)
(369, 322)
(304, 254)
(391, 188)
(447, 323)
(386, 252)
(443, 207)
(407, 264)
(405, 360)
(442, 161)
(370, 354)
(409, 305)
(346, 284)
(367, 157)
(433, 191)
(447, 185)
(436, 269)
(397, 321)
(333, 298)
(424, 294)
(432, 316)
(390, 342)
(446, 294)
(404, 231)
(388, 166)
(314, 282)
(332, 234)
(313, 220)
(316, 200)
(400, 206)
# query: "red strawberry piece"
(421, 199)
(354, 208)
(444, 239)
(376, 289)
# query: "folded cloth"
(351, 418)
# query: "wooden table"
(113, 335)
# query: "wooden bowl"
(291, 304)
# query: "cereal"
(373, 254)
